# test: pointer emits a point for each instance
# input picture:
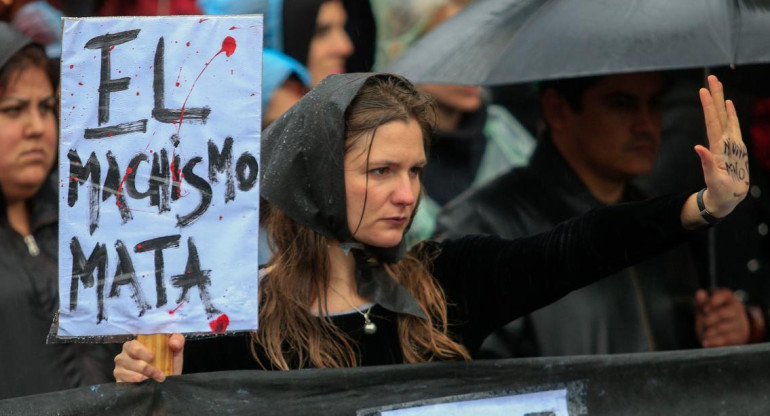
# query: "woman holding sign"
(28, 231)
(342, 174)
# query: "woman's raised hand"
(132, 365)
(726, 161)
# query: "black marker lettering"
(247, 160)
(223, 163)
(125, 274)
(159, 112)
(201, 185)
(193, 276)
(158, 245)
(78, 175)
(83, 270)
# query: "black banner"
(725, 381)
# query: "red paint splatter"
(252, 94)
(188, 43)
(171, 312)
(112, 47)
(228, 47)
(177, 84)
(139, 246)
(203, 20)
(72, 66)
(109, 134)
(137, 93)
(80, 83)
(219, 325)
(220, 218)
(120, 187)
(72, 94)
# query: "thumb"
(176, 345)
(706, 158)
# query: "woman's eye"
(379, 171)
(417, 170)
(11, 111)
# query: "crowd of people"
(447, 229)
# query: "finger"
(726, 336)
(710, 115)
(721, 297)
(718, 96)
(701, 300)
(733, 124)
(708, 164)
(131, 370)
(176, 344)
(137, 351)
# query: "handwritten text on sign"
(159, 200)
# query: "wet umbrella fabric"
(496, 42)
(303, 175)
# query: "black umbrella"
(495, 42)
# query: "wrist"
(703, 201)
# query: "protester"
(475, 142)
(29, 231)
(310, 31)
(602, 133)
(342, 171)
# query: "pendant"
(370, 328)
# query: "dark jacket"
(642, 308)
(29, 297)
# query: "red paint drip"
(234, 27)
(139, 246)
(171, 312)
(203, 20)
(175, 175)
(220, 218)
(112, 47)
(188, 43)
(228, 47)
(137, 93)
(72, 66)
(219, 325)
(120, 187)
(80, 83)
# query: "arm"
(133, 363)
(493, 281)
(725, 164)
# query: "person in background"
(29, 292)
(602, 133)
(312, 32)
(474, 142)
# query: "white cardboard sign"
(158, 163)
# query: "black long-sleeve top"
(490, 281)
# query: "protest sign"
(159, 193)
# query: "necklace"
(370, 328)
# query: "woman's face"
(386, 189)
(330, 46)
(27, 133)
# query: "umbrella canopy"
(495, 42)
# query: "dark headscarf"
(299, 18)
(303, 175)
(11, 42)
